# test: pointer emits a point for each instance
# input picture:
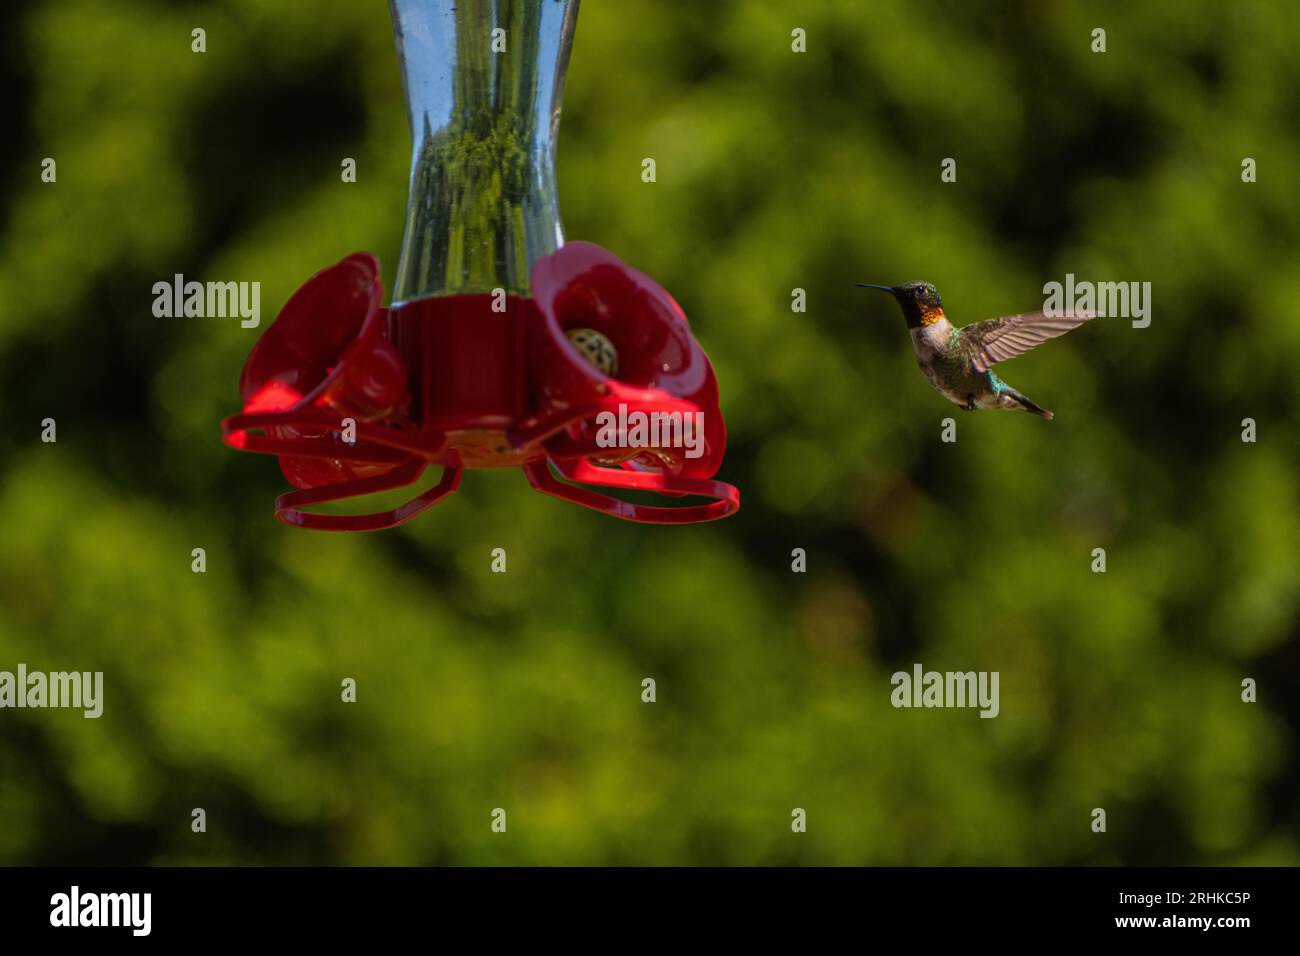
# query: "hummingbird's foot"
(970, 403)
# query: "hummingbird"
(959, 362)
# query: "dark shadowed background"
(776, 170)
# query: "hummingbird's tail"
(1028, 405)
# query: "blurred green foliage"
(776, 170)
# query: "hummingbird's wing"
(1000, 339)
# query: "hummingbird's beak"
(882, 288)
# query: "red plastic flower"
(660, 365)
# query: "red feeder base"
(356, 399)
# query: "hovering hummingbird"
(958, 361)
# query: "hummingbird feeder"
(503, 346)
